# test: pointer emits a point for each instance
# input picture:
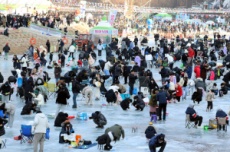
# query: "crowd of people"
(133, 62)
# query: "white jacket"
(24, 62)
(10, 108)
(108, 65)
(71, 49)
(170, 58)
(171, 86)
(39, 99)
(99, 47)
(114, 88)
(40, 123)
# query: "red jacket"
(179, 91)
(191, 52)
(197, 71)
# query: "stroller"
(197, 95)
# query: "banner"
(112, 16)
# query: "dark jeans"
(115, 78)
(153, 148)
(171, 65)
(162, 107)
(178, 98)
(28, 100)
(198, 120)
(71, 53)
(210, 105)
(125, 79)
(131, 88)
(74, 99)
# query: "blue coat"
(162, 97)
(191, 112)
(154, 140)
(221, 114)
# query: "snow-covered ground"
(179, 139)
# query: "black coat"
(62, 96)
(138, 103)
(2, 124)
(126, 70)
(76, 88)
(104, 139)
(5, 89)
(98, 118)
(61, 117)
(125, 104)
(26, 110)
(132, 79)
(150, 132)
(110, 96)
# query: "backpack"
(1, 78)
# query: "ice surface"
(179, 139)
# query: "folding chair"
(1, 114)
(188, 122)
(51, 87)
(3, 144)
(26, 134)
(221, 122)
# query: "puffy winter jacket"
(220, 113)
(2, 124)
(191, 112)
(117, 130)
(162, 97)
(110, 96)
(179, 91)
(150, 132)
(99, 118)
(197, 71)
(40, 123)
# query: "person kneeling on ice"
(150, 131)
(106, 139)
(193, 116)
(99, 119)
(125, 103)
(29, 108)
(157, 141)
(66, 134)
(138, 102)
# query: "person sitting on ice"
(150, 131)
(193, 115)
(99, 119)
(66, 134)
(157, 141)
(221, 114)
